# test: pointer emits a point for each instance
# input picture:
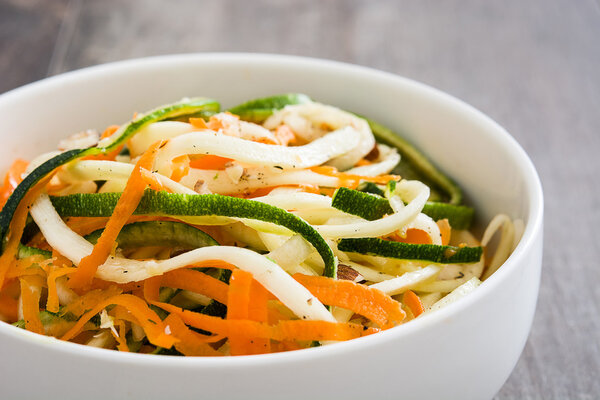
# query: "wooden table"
(533, 66)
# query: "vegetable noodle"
(276, 225)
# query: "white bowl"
(465, 351)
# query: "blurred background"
(533, 66)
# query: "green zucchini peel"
(158, 233)
(408, 251)
(258, 110)
(174, 204)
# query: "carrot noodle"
(8, 307)
(52, 301)
(210, 162)
(12, 179)
(30, 297)
(190, 343)
(352, 181)
(153, 326)
(17, 226)
(371, 303)
(198, 282)
(180, 166)
(413, 302)
(237, 309)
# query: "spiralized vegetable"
(259, 275)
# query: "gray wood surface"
(533, 66)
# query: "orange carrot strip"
(257, 308)
(209, 162)
(109, 131)
(239, 294)
(266, 190)
(151, 180)
(12, 179)
(320, 330)
(190, 343)
(222, 121)
(371, 303)
(120, 337)
(86, 225)
(149, 321)
(237, 309)
(445, 230)
(26, 266)
(151, 295)
(214, 264)
(284, 135)
(180, 166)
(258, 311)
(123, 287)
(285, 330)
(197, 282)
(52, 302)
(30, 298)
(198, 123)
(89, 300)
(108, 156)
(414, 236)
(17, 226)
(413, 302)
(8, 307)
(123, 210)
(350, 180)
(309, 188)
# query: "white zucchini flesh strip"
(342, 314)
(386, 163)
(255, 178)
(406, 281)
(291, 253)
(416, 192)
(39, 160)
(113, 186)
(245, 151)
(504, 224)
(157, 131)
(469, 271)
(307, 121)
(296, 201)
(456, 294)
(430, 299)
(94, 170)
(121, 270)
(104, 339)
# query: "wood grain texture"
(533, 66)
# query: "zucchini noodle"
(280, 224)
